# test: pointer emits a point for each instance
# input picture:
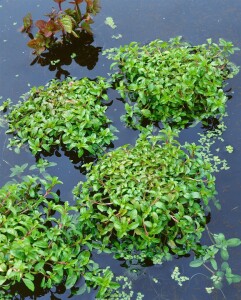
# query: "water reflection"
(78, 50)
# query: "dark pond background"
(142, 21)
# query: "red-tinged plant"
(61, 24)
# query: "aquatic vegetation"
(28, 243)
(39, 236)
(117, 36)
(67, 23)
(110, 22)
(148, 201)
(79, 50)
(150, 198)
(176, 275)
(68, 113)
(207, 256)
(208, 141)
(229, 149)
(172, 82)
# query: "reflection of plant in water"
(74, 49)
(63, 23)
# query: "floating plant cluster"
(149, 200)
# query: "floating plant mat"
(172, 82)
(150, 198)
(70, 113)
(219, 257)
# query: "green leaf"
(41, 244)
(29, 284)
(81, 290)
(2, 280)
(66, 21)
(234, 242)
(196, 263)
(196, 195)
(224, 254)
(71, 280)
(214, 264)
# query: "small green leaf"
(196, 263)
(66, 21)
(234, 242)
(71, 280)
(214, 264)
(224, 254)
(29, 284)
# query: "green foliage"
(149, 198)
(172, 82)
(68, 22)
(39, 236)
(33, 240)
(68, 113)
(207, 257)
(5, 104)
(125, 292)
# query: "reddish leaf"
(41, 24)
(50, 28)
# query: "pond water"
(141, 21)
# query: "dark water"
(142, 21)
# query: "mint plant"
(41, 237)
(172, 82)
(68, 113)
(33, 240)
(150, 198)
(61, 24)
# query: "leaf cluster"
(151, 197)
(68, 22)
(41, 237)
(70, 113)
(172, 82)
(37, 236)
(208, 258)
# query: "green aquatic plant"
(68, 113)
(214, 259)
(176, 275)
(39, 236)
(150, 198)
(33, 240)
(207, 257)
(209, 141)
(110, 22)
(229, 149)
(172, 82)
(61, 24)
